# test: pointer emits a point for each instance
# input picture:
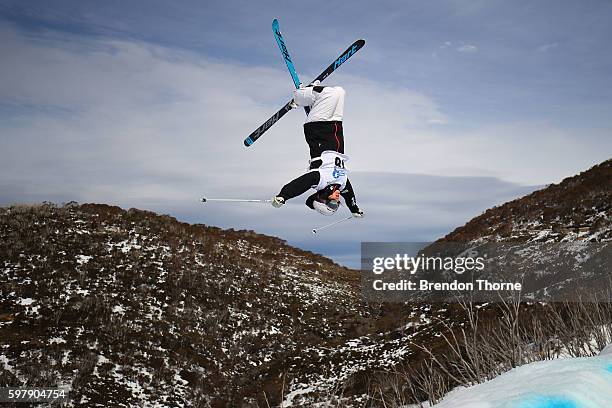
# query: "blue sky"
(452, 107)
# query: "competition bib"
(333, 169)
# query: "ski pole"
(234, 200)
(315, 230)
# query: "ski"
(349, 52)
(283, 48)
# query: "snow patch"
(607, 351)
(6, 363)
(118, 309)
(565, 383)
(83, 259)
(547, 402)
(296, 393)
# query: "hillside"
(578, 208)
(129, 307)
(555, 240)
(132, 308)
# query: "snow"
(118, 309)
(296, 393)
(6, 363)
(65, 357)
(542, 234)
(83, 259)
(564, 383)
(607, 351)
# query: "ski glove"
(357, 213)
(277, 201)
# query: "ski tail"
(267, 125)
(348, 53)
(283, 48)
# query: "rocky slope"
(131, 308)
(555, 240)
(578, 208)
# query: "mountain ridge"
(578, 204)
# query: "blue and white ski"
(349, 52)
(283, 48)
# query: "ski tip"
(248, 141)
(203, 200)
(275, 23)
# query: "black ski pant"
(322, 136)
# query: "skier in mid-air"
(327, 173)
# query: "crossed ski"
(283, 48)
(349, 52)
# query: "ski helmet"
(326, 207)
(323, 204)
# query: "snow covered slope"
(566, 383)
(135, 308)
(579, 208)
(556, 241)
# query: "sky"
(452, 107)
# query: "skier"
(327, 173)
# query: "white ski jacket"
(325, 106)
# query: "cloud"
(401, 207)
(130, 116)
(547, 47)
(128, 110)
(138, 125)
(398, 207)
(112, 120)
(469, 48)
(525, 153)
